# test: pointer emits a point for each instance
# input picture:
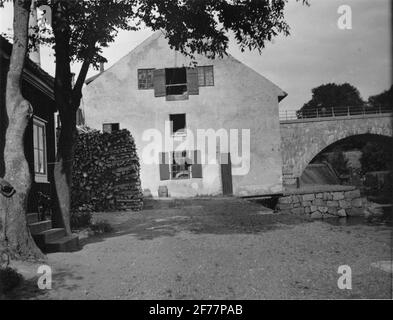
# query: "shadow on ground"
(198, 216)
(29, 290)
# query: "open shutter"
(197, 164)
(164, 166)
(192, 81)
(159, 83)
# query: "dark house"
(40, 141)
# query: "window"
(110, 127)
(145, 79)
(180, 165)
(176, 81)
(178, 122)
(40, 159)
(205, 76)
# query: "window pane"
(36, 161)
(35, 136)
(40, 138)
(201, 76)
(41, 162)
(209, 77)
(145, 78)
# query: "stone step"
(39, 227)
(64, 244)
(32, 218)
(49, 235)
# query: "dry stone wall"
(321, 205)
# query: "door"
(226, 174)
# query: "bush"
(9, 279)
(101, 227)
(81, 218)
(375, 158)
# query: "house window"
(40, 158)
(110, 127)
(205, 76)
(176, 81)
(178, 123)
(181, 165)
(145, 79)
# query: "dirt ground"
(221, 249)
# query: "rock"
(313, 208)
(332, 204)
(327, 196)
(355, 212)
(298, 211)
(323, 209)
(344, 204)
(316, 215)
(306, 203)
(296, 205)
(352, 194)
(307, 210)
(357, 203)
(308, 197)
(295, 199)
(284, 206)
(333, 211)
(285, 200)
(386, 266)
(318, 202)
(319, 196)
(338, 196)
(342, 213)
(328, 216)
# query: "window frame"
(151, 87)
(40, 177)
(204, 68)
(173, 164)
(182, 133)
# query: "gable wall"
(240, 99)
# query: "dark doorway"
(226, 174)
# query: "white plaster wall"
(240, 99)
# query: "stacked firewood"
(106, 172)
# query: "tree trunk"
(16, 235)
(68, 100)
(63, 170)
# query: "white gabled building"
(153, 85)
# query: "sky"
(317, 51)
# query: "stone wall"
(321, 205)
(303, 139)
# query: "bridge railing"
(333, 112)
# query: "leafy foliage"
(339, 162)
(331, 95)
(375, 158)
(383, 100)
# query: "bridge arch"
(304, 139)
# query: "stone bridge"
(304, 139)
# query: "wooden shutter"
(192, 81)
(164, 166)
(197, 164)
(159, 83)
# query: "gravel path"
(222, 249)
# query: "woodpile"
(106, 172)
